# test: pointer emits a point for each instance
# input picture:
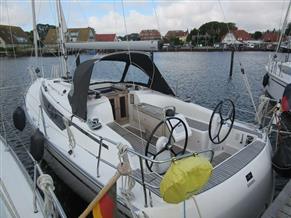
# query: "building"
(132, 37)
(51, 37)
(150, 35)
(81, 35)
(230, 39)
(13, 36)
(271, 37)
(180, 34)
(72, 35)
(105, 37)
(236, 37)
(242, 35)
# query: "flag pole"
(122, 169)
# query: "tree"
(216, 30)
(30, 35)
(192, 33)
(175, 41)
(257, 35)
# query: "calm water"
(202, 77)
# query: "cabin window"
(52, 112)
(107, 71)
(135, 74)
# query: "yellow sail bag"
(184, 178)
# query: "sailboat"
(121, 102)
(278, 74)
(25, 200)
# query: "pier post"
(231, 63)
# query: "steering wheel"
(177, 124)
(220, 109)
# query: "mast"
(34, 28)
(283, 27)
(62, 39)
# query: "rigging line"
(10, 27)
(126, 32)
(240, 63)
(158, 26)
(115, 20)
(129, 55)
(282, 15)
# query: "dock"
(281, 206)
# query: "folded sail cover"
(184, 178)
(286, 99)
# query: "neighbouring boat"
(122, 98)
(18, 194)
(276, 79)
(278, 74)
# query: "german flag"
(106, 207)
(286, 99)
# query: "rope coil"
(127, 182)
(72, 141)
(45, 182)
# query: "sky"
(128, 16)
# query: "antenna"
(62, 39)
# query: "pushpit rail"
(142, 158)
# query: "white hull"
(14, 202)
(279, 78)
(79, 171)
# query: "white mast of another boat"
(34, 29)
(283, 26)
(62, 29)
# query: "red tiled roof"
(150, 35)
(105, 37)
(270, 37)
(242, 35)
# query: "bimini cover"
(286, 99)
(82, 76)
(184, 178)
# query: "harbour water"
(201, 77)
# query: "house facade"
(81, 35)
(180, 34)
(72, 35)
(271, 37)
(150, 35)
(236, 37)
(13, 36)
(230, 39)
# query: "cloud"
(13, 14)
(249, 15)
(107, 16)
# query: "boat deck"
(281, 207)
(224, 164)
